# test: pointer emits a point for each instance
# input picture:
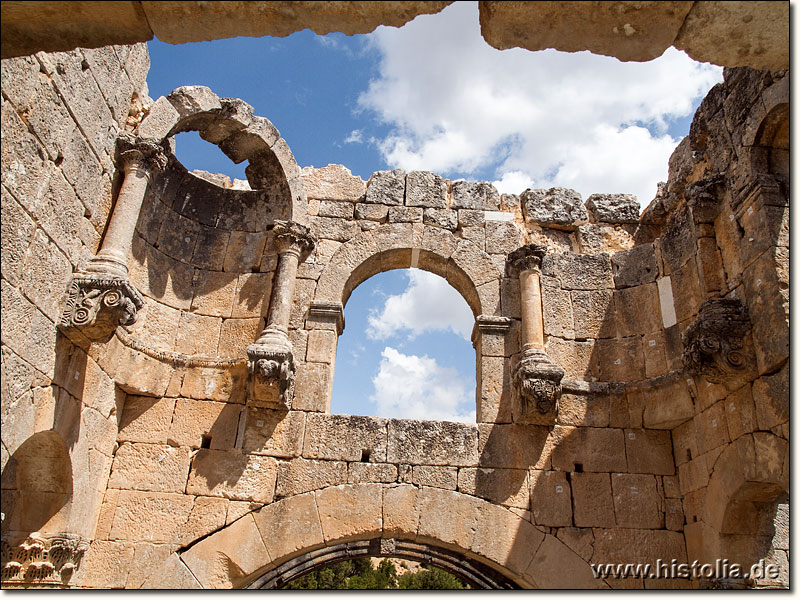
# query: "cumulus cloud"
(417, 387)
(427, 304)
(457, 106)
(355, 137)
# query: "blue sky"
(433, 95)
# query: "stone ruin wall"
(149, 452)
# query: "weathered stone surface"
(588, 411)
(290, 525)
(334, 182)
(431, 443)
(299, 475)
(330, 208)
(404, 214)
(137, 511)
(635, 266)
(553, 559)
(440, 477)
(579, 271)
(372, 212)
(208, 515)
(361, 472)
(233, 475)
(196, 421)
(444, 218)
(502, 237)
(557, 207)
(596, 449)
(502, 486)
(350, 512)
(592, 499)
(386, 187)
(476, 195)
(150, 468)
(274, 433)
(612, 208)
(637, 502)
(649, 451)
(551, 498)
(345, 437)
(771, 397)
(146, 420)
(425, 189)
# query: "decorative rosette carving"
(96, 304)
(272, 375)
(42, 560)
(538, 383)
(713, 346)
(525, 258)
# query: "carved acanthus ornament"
(42, 560)
(270, 360)
(537, 380)
(96, 304)
(713, 346)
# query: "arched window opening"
(196, 154)
(406, 350)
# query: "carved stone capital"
(97, 303)
(331, 313)
(271, 371)
(537, 382)
(705, 198)
(713, 344)
(526, 258)
(42, 560)
(141, 153)
(293, 237)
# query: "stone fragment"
(557, 207)
(386, 187)
(612, 208)
(334, 182)
(192, 99)
(476, 195)
(425, 189)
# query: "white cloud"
(457, 106)
(417, 387)
(429, 303)
(355, 137)
(513, 182)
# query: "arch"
(282, 539)
(37, 485)
(230, 124)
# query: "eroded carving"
(272, 374)
(96, 304)
(525, 258)
(293, 236)
(42, 560)
(538, 383)
(135, 151)
(713, 344)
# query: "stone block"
(236, 335)
(592, 500)
(350, 512)
(668, 404)
(199, 421)
(450, 518)
(162, 278)
(494, 383)
(178, 236)
(233, 475)
(476, 235)
(634, 266)
(198, 335)
(340, 210)
(674, 514)
(17, 232)
(321, 346)
(502, 237)
(213, 293)
(644, 546)
(771, 398)
(150, 468)
(557, 310)
(513, 446)
(157, 323)
(613, 208)
(361, 472)
(684, 442)
(557, 207)
(588, 411)
(300, 475)
(445, 478)
(508, 487)
(146, 555)
(468, 217)
(372, 212)
(432, 443)
(346, 437)
(551, 498)
(580, 541)
(649, 451)
(222, 385)
(244, 251)
(386, 187)
(576, 358)
(553, 559)
(289, 526)
(137, 511)
(47, 275)
(208, 514)
(136, 373)
(425, 189)
(637, 502)
(334, 182)
(579, 271)
(105, 565)
(638, 310)
(441, 217)
(404, 214)
(712, 428)
(620, 359)
(593, 314)
(312, 390)
(655, 358)
(226, 559)
(160, 120)
(274, 433)
(596, 449)
(476, 195)
(693, 474)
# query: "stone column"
(270, 360)
(102, 297)
(537, 381)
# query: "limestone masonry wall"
(166, 419)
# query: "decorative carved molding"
(96, 304)
(291, 236)
(713, 343)
(141, 152)
(327, 312)
(538, 383)
(42, 560)
(705, 197)
(489, 325)
(271, 370)
(526, 258)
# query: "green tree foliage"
(359, 574)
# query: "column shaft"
(531, 297)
